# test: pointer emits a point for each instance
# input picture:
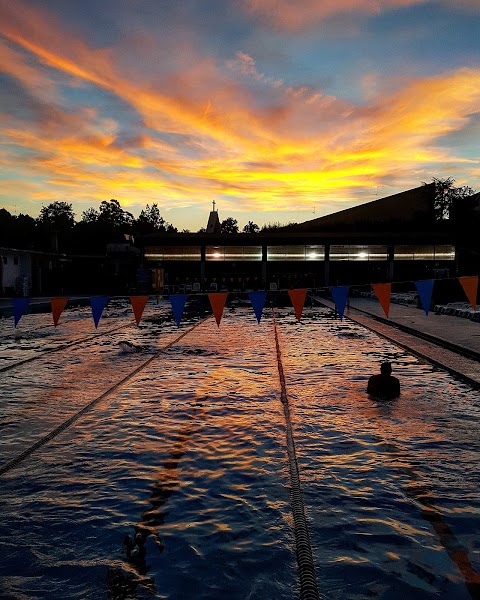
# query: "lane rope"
(306, 567)
(58, 430)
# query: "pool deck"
(452, 343)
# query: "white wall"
(11, 271)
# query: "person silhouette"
(384, 386)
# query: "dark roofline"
(26, 251)
(294, 237)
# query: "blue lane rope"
(306, 567)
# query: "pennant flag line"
(470, 287)
(425, 289)
(20, 305)
(383, 291)
(217, 302)
(58, 305)
(339, 295)
(297, 298)
(178, 302)
(98, 303)
(138, 304)
(258, 300)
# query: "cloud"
(297, 17)
(246, 66)
(209, 128)
(291, 16)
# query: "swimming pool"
(192, 454)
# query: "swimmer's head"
(386, 368)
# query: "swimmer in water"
(384, 386)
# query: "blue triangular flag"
(178, 304)
(425, 289)
(258, 302)
(19, 307)
(98, 303)
(339, 295)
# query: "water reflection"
(391, 489)
(124, 584)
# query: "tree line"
(56, 228)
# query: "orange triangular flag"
(217, 302)
(138, 304)
(383, 291)
(470, 287)
(298, 300)
(58, 304)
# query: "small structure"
(213, 225)
(15, 272)
(25, 272)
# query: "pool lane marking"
(58, 430)
(62, 347)
(306, 567)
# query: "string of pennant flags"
(257, 300)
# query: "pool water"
(190, 456)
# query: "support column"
(264, 266)
(327, 265)
(203, 261)
(391, 256)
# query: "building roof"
(413, 208)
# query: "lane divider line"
(58, 430)
(306, 567)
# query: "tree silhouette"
(58, 216)
(112, 216)
(150, 220)
(90, 216)
(446, 196)
(251, 227)
(230, 225)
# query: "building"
(393, 238)
(26, 272)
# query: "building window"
(233, 253)
(338, 253)
(444, 252)
(314, 253)
(5, 260)
(295, 253)
(168, 253)
(424, 252)
(358, 253)
(215, 253)
(15, 260)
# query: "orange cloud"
(296, 144)
(291, 16)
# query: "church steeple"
(213, 225)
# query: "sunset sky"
(279, 110)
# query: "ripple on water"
(191, 455)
